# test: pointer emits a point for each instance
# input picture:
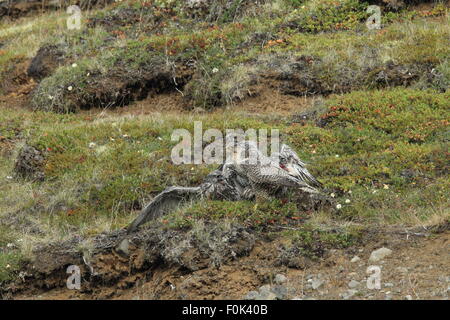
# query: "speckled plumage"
(250, 174)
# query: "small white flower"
(125, 136)
(8, 266)
(112, 139)
(338, 206)
(50, 97)
(347, 200)
(337, 156)
(349, 191)
(88, 74)
(374, 191)
(9, 177)
(159, 138)
(333, 195)
(92, 145)
(313, 152)
(385, 186)
(10, 245)
(70, 88)
(74, 65)
(215, 70)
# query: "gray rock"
(349, 294)
(280, 291)
(265, 288)
(280, 279)
(355, 259)
(124, 247)
(379, 254)
(265, 293)
(317, 283)
(251, 295)
(267, 296)
(353, 284)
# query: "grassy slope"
(384, 150)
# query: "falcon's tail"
(166, 201)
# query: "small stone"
(379, 254)
(408, 297)
(124, 247)
(267, 296)
(317, 283)
(355, 259)
(349, 294)
(296, 298)
(280, 278)
(401, 269)
(280, 292)
(388, 284)
(265, 288)
(251, 295)
(353, 284)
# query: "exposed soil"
(417, 269)
(47, 59)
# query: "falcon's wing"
(268, 172)
(297, 167)
(166, 201)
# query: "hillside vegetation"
(370, 114)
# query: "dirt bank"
(417, 268)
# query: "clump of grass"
(383, 146)
(112, 79)
(309, 243)
(317, 16)
(247, 213)
(10, 264)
